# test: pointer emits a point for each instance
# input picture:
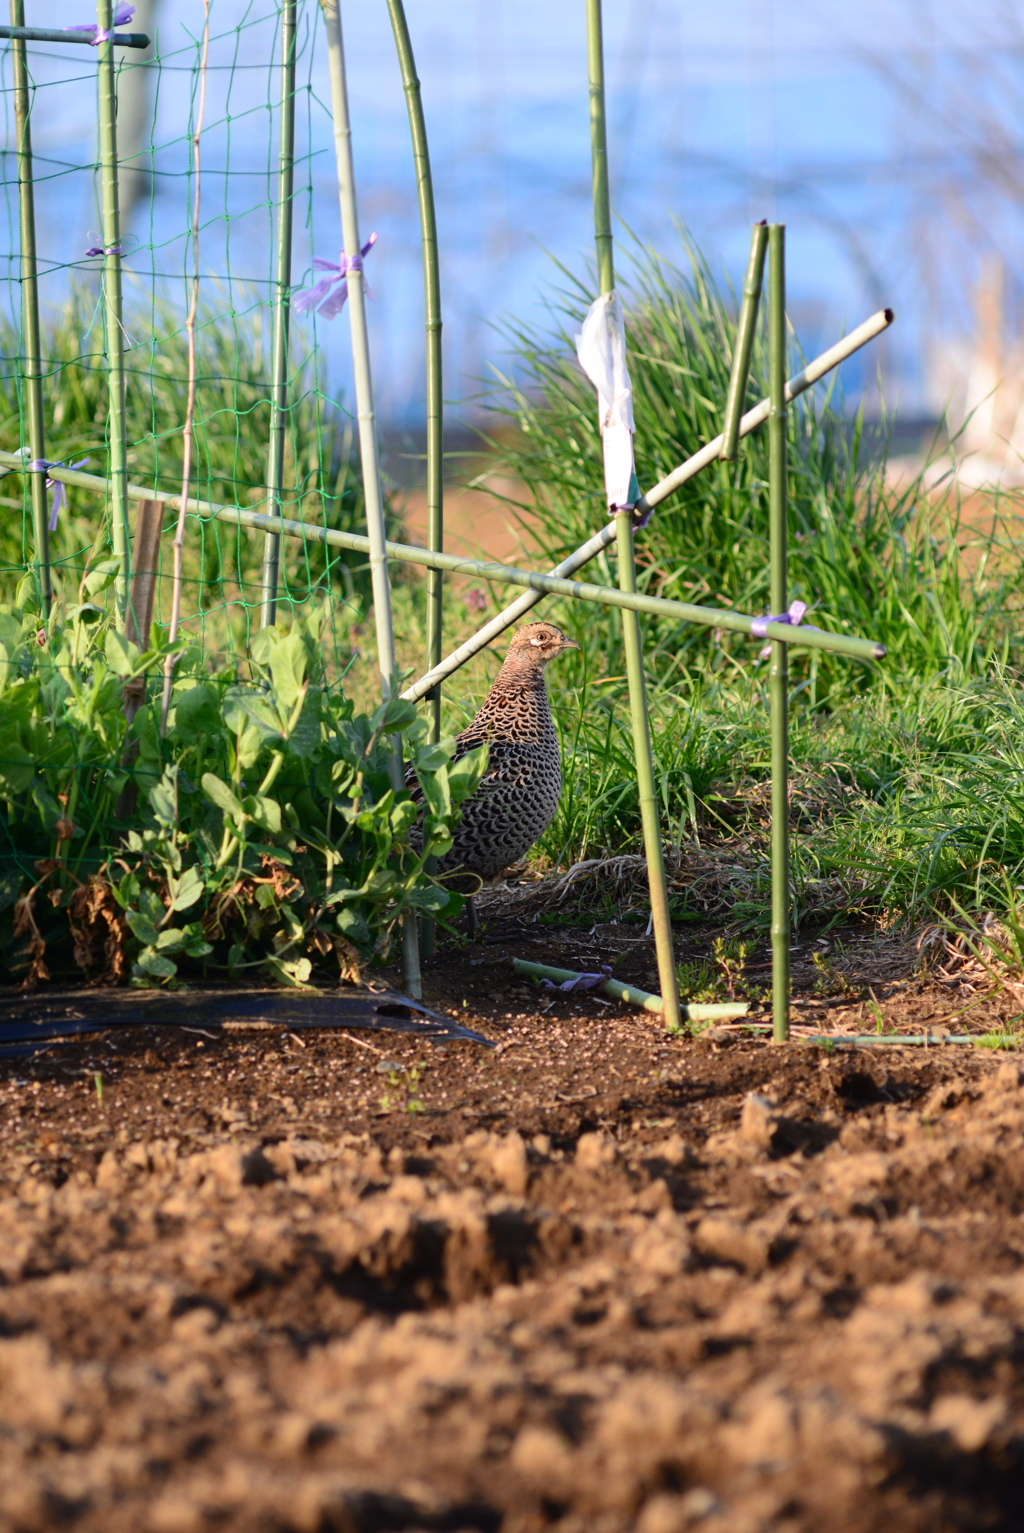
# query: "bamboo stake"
(56, 35)
(811, 374)
(691, 1011)
(188, 429)
(434, 395)
(610, 596)
(639, 717)
(743, 344)
(432, 298)
(379, 579)
(282, 283)
(778, 678)
(113, 310)
(32, 361)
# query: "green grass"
(908, 776)
(222, 571)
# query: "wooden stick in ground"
(188, 430)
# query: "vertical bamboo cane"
(744, 343)
(435, 398)
(778, 680)
(379, 579)
(120, 533)
(32, 361)
(657, 883)
(282, 282)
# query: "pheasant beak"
(568, 644)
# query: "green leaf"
(171, 939)
(143, 929)
(352, 926)
(393, 716)
(465, 775)
(404, 816)
(164, 798)
(288, 668)
(222, 796)
(266, 812)
(436, 790)
(197, 714)
(430, 757)
(156, 964)
(189, 888)
(198, 947)
(17, 768)
(102, 575)
(428, 899)
(293, 971)
(122, 655)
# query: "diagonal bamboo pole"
(32, 360)
(282, 282)
(373, 495)
(113, 312)
(578, 590)
(743, 345)
(811, 374)
(778, 678)
(632, 639)
(435, 397)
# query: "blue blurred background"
(886, 135)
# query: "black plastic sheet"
(32, 1022)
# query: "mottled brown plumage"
(518, 796)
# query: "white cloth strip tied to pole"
(601, 349)
(661, 491)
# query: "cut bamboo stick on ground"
(689, 1011)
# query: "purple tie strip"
(581, 982)
(95, 250)
(332, 303)
(60, 498)
(121, 17)
(759, 627)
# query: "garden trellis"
(303, 467)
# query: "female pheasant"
(518, 795)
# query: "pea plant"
(259, 834)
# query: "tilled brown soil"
(595, 1279)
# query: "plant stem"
(188, 430)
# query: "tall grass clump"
(894, 563)
(906, 796)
